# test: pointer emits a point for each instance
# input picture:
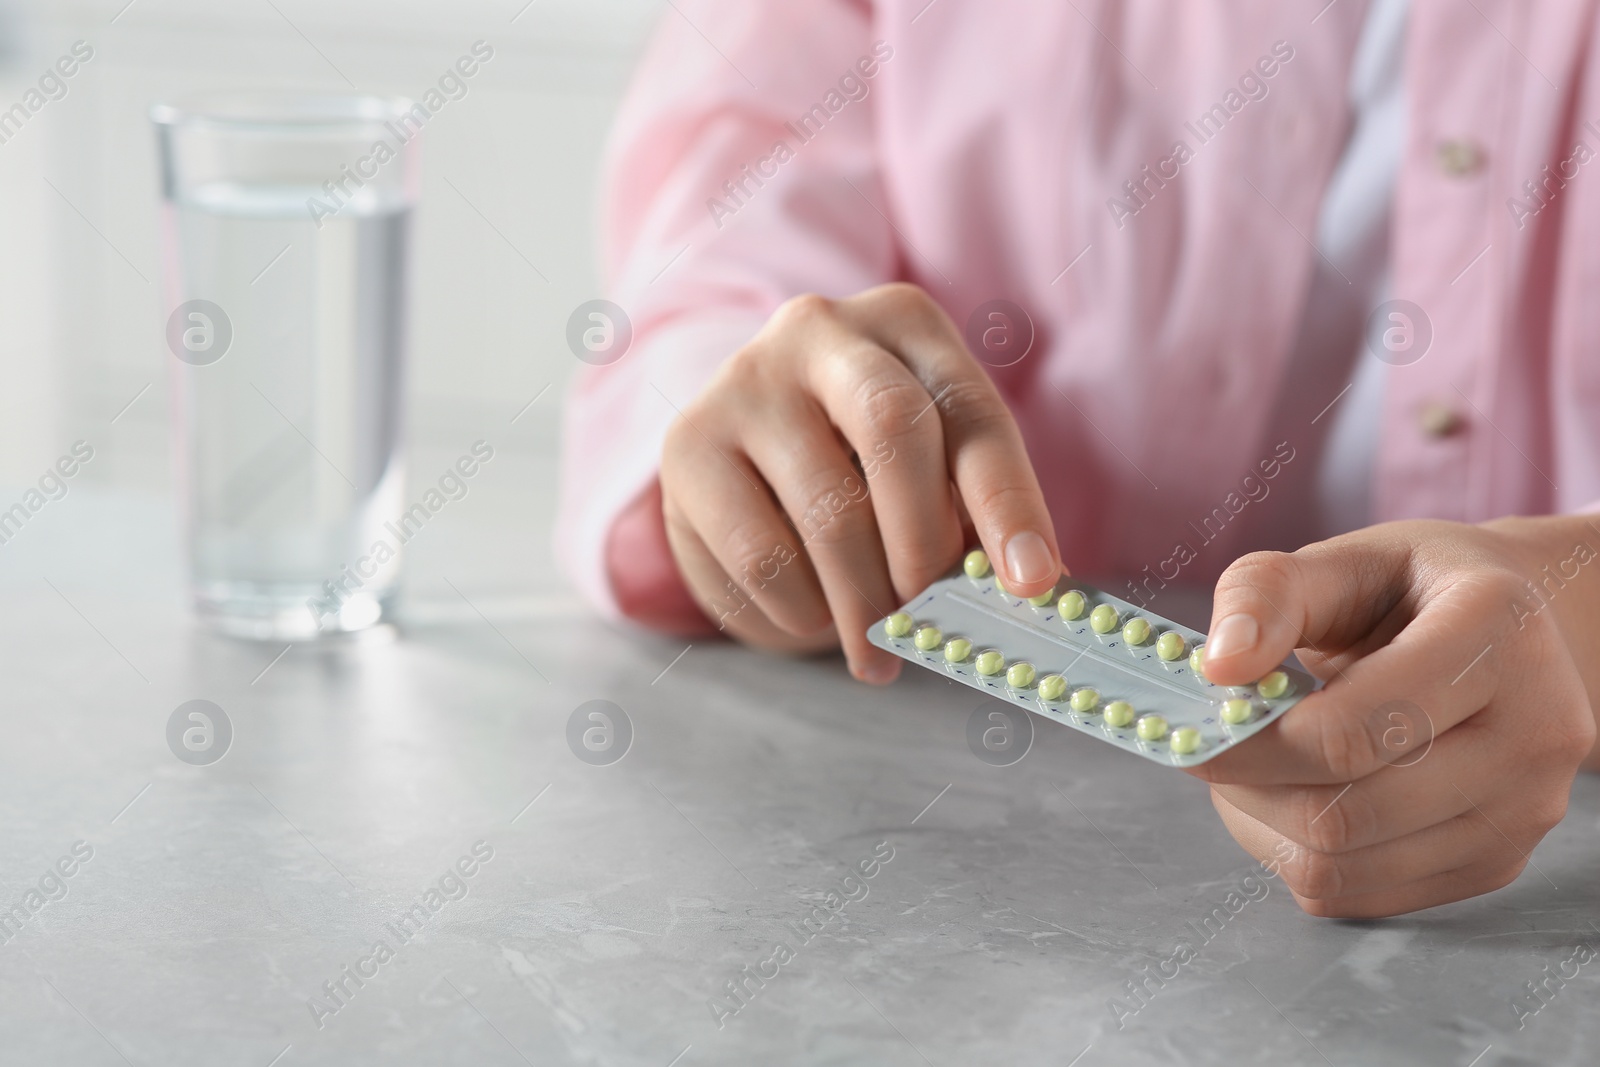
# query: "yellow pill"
(1151, 728)
(1042, 599)
(1236, 711)
(1019, 675)
(1197, 660)
(1071, 605)
(1273, 685)
(957, 649)
(1084, 700)
(991, 662)
(1103, 619)
(1169, 646)
(897, 625)
(976, 565)
(1185, 739)
(1119, 713)
(928, 638)
(1052, 687)
(1136, 631)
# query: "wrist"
(1558, 557)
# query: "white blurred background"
(80, 307)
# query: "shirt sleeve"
(742, 170)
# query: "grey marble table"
(1007, 908)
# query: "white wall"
(80, 332)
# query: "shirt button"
(1438, 420)
(1459, 158)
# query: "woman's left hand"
(1454, 717)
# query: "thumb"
(1326, 596)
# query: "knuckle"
(1316, 875)
(891, 407)
(901, 300)
(1570, 735)
(1494, 595)
(1324, 907)
(705, 412)
(1580, 733)
(679, 441)
(1567, 736)
(1001, 499)
(1274, 570)
(918, 548)
(832, 518)
(832, 536)
(800, 312)
(1504, 873)
(1497, 587)
(1547, 811)
(977, 405)
(695, 436)
(1332, 825)
(1347, 747)
(750, 546)
(742, 373)
(916, 562)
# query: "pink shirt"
(1016, 150)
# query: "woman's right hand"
(788, 541)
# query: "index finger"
(983, 446)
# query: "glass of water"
(285, 240)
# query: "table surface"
(1007, 907)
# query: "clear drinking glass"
(285, 240)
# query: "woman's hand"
(790, 542)
(1454, 717)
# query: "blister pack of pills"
(1082, 657)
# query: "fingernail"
(1234, 634)
(1028, 558)
(882, 673)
